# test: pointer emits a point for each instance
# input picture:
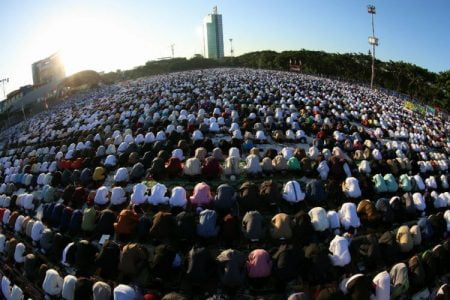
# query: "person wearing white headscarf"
(138, 197)
(124, 292)
(252, 164)
(160, 136)
(118, 196)
(6, 287)
(197, 135)
(340, 254)
(53, 283)
(364, 167)
(27, 201)
(419, 182)
(16, 293)
(110, 161)
(2, 243)
(178, 197)
(292, 192)
(348, 216)
(234, 152)
(447, 219)
(101, 196)
(382, 282)
(149, 137)
(419, 201)
(351, 187)
(323, 170)
(158, 194)
(333, 219)
(287, 152)
(68, 288)
(319, 218)
(121, 175)
(19, 256)
(260, 136)
(178, 153)
(18, 224)
(37, 230)
(139, 139)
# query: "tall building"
(47, 70)
(213, 35)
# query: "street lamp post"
(231, 47)
(373, 41)
(3, 81)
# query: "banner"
(415, 107)
(409, 105)
(431, 110)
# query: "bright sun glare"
(87, 43)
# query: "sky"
(106, 35)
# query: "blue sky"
(106, 35)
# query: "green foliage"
(406, 78)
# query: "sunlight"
(90, 43)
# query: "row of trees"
(411, 80)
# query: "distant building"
(14, 96)
(47, 70)
(213, 35)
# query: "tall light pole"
(172, 47)
(231, 47)
(372, 41)
(4, 81)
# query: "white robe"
(348, 216)
(352, 189)
(138, 197)
(68, 288)
(37, 230)
(101, 196)
(178, 197)
(157, 196)
(292, 192)
(340, 255)
(124, 292)
(118, 196)
(252, 164)
(319, 218)
(53, 283)
(121, 175)
(333, 219)
(419, 201)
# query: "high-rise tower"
(213, 35)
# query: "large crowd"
(226, 184)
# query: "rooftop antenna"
(231, 47)
(172, 47)
(215, 9)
